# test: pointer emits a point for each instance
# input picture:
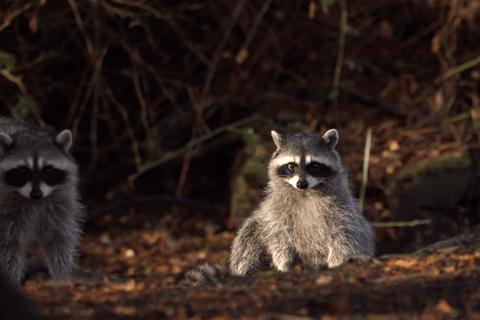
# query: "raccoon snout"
(302, 184)
(36, 194)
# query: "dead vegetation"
(157, 95)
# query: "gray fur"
(5, 142)
(54, 219)
(317, 225)
(207, 274)
(64, 139)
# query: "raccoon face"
(305, 176)
(37, 172)
(306, 160)
(34, 182)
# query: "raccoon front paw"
(284, 266)
(61, 263)
(241, 268)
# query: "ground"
(437, 283)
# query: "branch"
(184, 202)
(192, 144)
(397, 224)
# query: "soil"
(440, 282)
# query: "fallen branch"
(399, 224)
(168, 199)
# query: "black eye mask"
(52, 176)
(319, 170)
(18, 177)
(287, 170)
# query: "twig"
(192, 144)
(96, 92)
(160, 80)
(93, 80)
(131, 133)
(219, 49)
(397, 224)
(173, 25)
(446, 75)
(188, 156)
(184, 202)
(76, 100)
(458, 69)
(341, 52)
(372, 101)
(7, 19)
(243, 52)
(366, 160)
(81, 27)
(150, 144)
(15, 79)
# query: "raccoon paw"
(206, 274)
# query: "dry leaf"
(241, 56)
(311, 10)
(444, 307)
(435, 45)
(404, 263)
(33, 24)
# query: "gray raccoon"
(206, 273)
(39, 197)
(308, 214)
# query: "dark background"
(160, 97)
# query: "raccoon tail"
(206, 274)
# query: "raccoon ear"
(64, 139)
(5, 142)
(277, 138)
(331, 138)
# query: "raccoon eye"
(315, 166)
(47, 171)
(291, 166)
(18, 177)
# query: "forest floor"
(145, 249)
(440, 282)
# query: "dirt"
(437, 283)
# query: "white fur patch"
(25, 190)
(62, 164)
(46, 190)
(293, 181)
(284, 159)
(11, 164)
(29, 162)
(40, 162)
(308, 158)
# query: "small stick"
(366, 160)
(192, 144)
(401, 223)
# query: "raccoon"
(13, 305)
(39, 197)
(308, 215)
(207, 274)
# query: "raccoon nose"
(36, 194)
(302, 184)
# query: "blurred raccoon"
(39, 197)
(308, 215)
(13, 305)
